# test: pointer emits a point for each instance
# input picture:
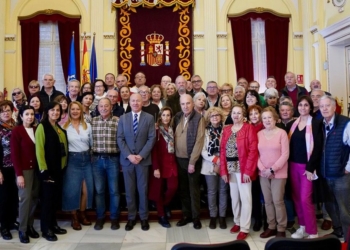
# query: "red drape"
(276, 36)
(30, 44)
(242, 45)
(30, 53)
(65, 29)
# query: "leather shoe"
(257, 225)
(268, 233)
(184, 221)
(50, 236)
(23, 237)
(32, 233)
(75, 223)
(115, 224)
(281, 235)
(222, 222)
(212, 223)
(144, 225)
(6, 235)
(130, 225)
(326, 225)
(197, 224)
(164, 222)
(99, 224)
(339, 235)
(58, 230)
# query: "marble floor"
(156, 238)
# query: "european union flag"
(93, 63)
(71, 64)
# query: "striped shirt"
(104, 135)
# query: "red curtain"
(30, 53)
(30, 44)
(276, 36)
(242, 45)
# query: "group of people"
(65, 149)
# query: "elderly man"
(243, 82)
(189, 140)
(110, 81)
(121, 81)
(316, 84)
(254, 85)
(147, 105)
(316, 95)
(174, 101)
(213, 94)
(73, 90)
(197, 83)
(293, 90)
(335, 166)
(48, 92)
(140, 80)
(117, 110)
(105, 163)
(136, 137)
(239, 94)
(165, 80)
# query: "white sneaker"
(300, 233)
(312, 236)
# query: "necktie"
(328, 128)
(135, 123)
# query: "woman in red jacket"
(164, 166)
(238, 163)
(26, 167)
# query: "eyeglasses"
(212, 87)
(99, 86)
(16, 93)
(197, 81)
(226, 91)
(33, 87)
(143, 92)
(214, 116)
(5, 111)
(254, 87)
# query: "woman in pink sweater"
(273, 149)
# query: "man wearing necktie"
(335, 166)
(136, 137)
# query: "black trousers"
(50, 199)
(8, 198)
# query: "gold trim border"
(145, 3)
(47, 12)
(184, 43)
(259, 10)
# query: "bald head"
(112, 95)
(186, 103)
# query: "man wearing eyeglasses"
(213, 94)
(48, 92)
(197, 83)
(147, 105)
(140, 80)
(243, 82)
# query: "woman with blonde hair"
(226, 103)
(217, 188)
(169, 90)
(77, 180)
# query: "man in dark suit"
(136, 137)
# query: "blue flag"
(71, 64)
(93, 63)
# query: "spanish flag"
(85, 69)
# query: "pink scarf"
(309, 139)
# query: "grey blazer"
(139, 144)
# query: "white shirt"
(346, 136)
(30, 132)
(79, 142)
(138, 116)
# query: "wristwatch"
(272, 172)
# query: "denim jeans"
(104, 169)
(339, 205)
